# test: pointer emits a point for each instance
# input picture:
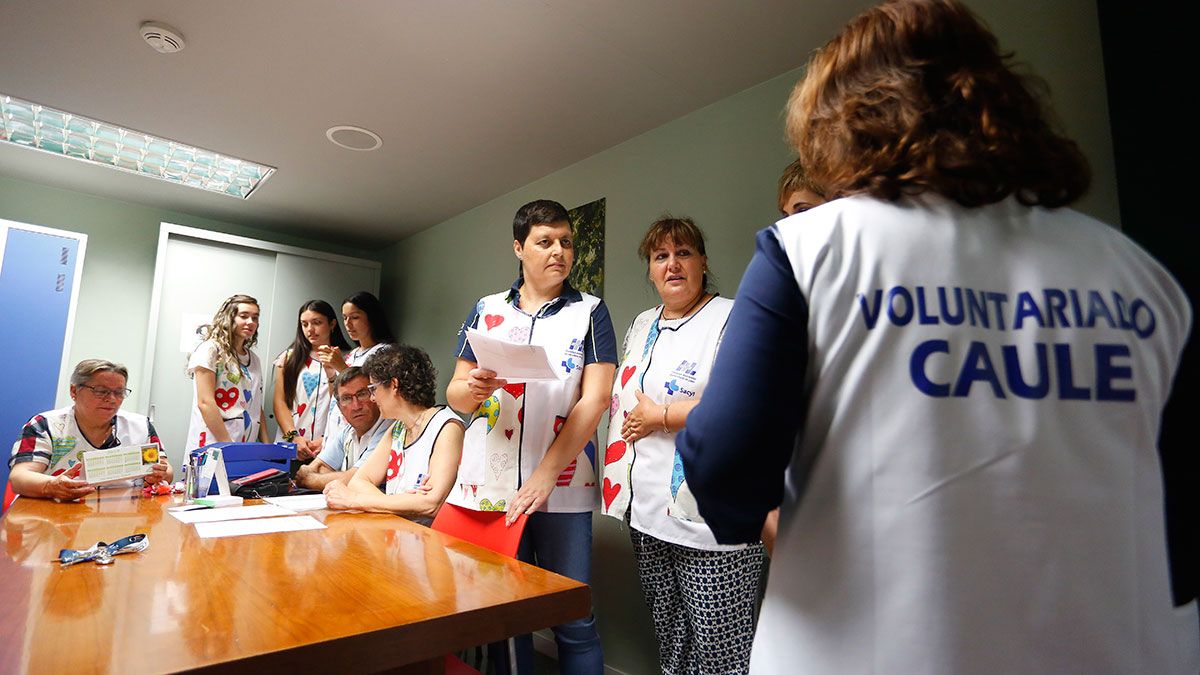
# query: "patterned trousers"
(702, 603)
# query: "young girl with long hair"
(367, 324)
(303, 384)
(229, 384)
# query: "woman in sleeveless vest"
(701, 593)
(227, 400)
(47, 459)
(367, 325)
(417, 459)
(951, 383)
(530, 447)
(304, 385)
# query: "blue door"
(36, 281)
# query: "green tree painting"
(587, 222)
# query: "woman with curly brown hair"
(951, 383)
(418, 458)
(228, 404)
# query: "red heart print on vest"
(515, 390)
(301, 408)
(493, 320)
(610, 493)
(614, 452)
(626, 374)
(226, 398)
(508, 434)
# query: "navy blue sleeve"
(739, 439)
(600, 345)
(462, 350)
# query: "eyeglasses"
(101, 392)
(373, 387)
(363, 396)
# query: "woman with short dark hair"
(952, 383)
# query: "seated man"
(342, 456)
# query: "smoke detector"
(162, 38)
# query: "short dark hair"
(538, 212)
(416, 378)
(345, 376)
(381, 330)
(915, 96)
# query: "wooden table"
(368, 594)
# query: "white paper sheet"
(118, 464)
(299, 503)
(237, 528)
(511, 361)
(230, 513)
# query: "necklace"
(418, 424)
(686, 311)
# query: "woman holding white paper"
(47, 459)
(530, 447)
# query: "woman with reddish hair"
(952, 383)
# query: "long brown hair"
(914, 96)
(298, 353)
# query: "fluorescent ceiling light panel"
(39, 127)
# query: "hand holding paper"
(510, 361)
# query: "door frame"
(168, 230)
(64, 365)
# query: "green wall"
(118, 267)
(718, 165)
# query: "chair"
(9, 497)
(486, 529)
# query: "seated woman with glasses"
(417, 460)
(46, 459)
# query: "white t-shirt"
(238, 395)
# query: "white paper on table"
(230, 513)
(237, 528)
(298, 503)
(511, 361)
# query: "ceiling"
(473, 98)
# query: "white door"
(196, 271)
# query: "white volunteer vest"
(983, 486)
(68, 443)
(669, 361)
(509, 433)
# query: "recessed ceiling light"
(38, 127)
(354, 138)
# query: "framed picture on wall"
(587, 223)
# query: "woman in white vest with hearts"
(701, 594)
(531, 447)
(227, 401)
(303, 384)
(367, 324)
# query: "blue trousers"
(561, 543)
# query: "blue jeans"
(562, 543)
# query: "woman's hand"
(481, 383)
(330, 357)
(304, 451)
(158, 473)
(645, 419)
(423, 489)
(531, 496)
(64, 488)
(339, 497)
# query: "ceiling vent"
(354, 138)
(162, 38)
